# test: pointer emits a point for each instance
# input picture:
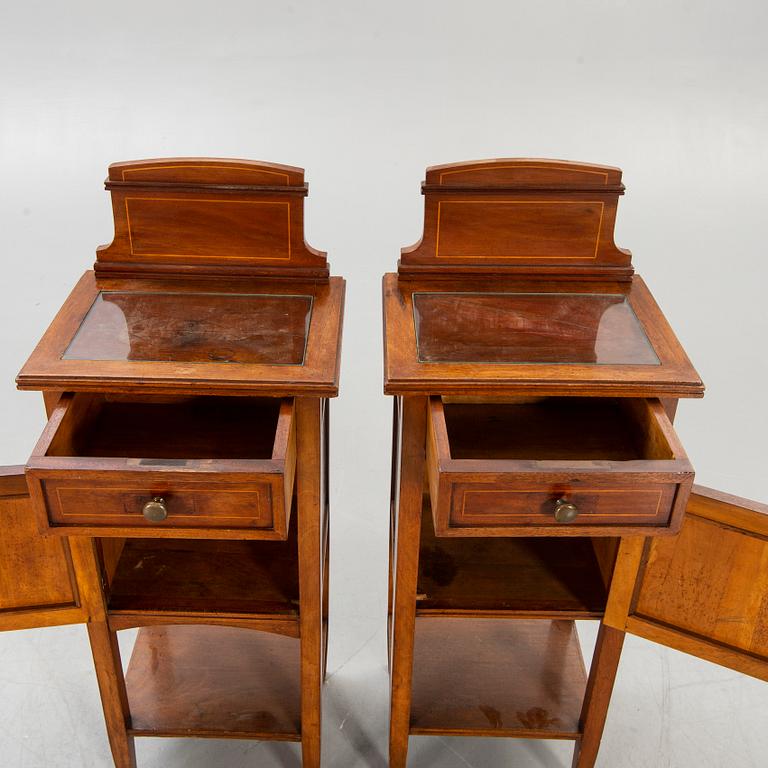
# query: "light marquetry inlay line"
(237, 168)
(591, 515)
(576, 171)
(208, 200)
(198, 516)
(521, 202)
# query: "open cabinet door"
(704, 591)
(37, 580)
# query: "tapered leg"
(406, 566)
(106, 653)
(114, 699)
(393, 501)
(308, 472)
(325, 527)
(326, 565)
(602, 675)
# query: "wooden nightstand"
(181, 484)
(537, 478)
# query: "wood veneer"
(38, 586)
(406, 534)
(718, 566)
(497, 677)
(214, 682)
(208, 216)
(194, 328)
(312, 574)
(524, 577)
(48, 368)
(496, 328)
(175, 369)
(630, 370)
(549, 372)
(519, 216)
(171, 428)
(618, 460)
(200, 578)
(223, 466)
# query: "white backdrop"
(365, 95)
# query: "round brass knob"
(155, 511)
(565, 511)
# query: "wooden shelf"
(207, 578)
(533, 577)
(496, 677)
(219, 682)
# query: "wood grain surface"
(491, 677)
(220, 682)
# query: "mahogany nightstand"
(537, 478)
(181, 484)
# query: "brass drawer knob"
(155, 511)
(565, 511)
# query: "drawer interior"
(555, 429)
(97, 425)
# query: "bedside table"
(181, 484)
(537, 478)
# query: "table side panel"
(37, 579)
(705, 591)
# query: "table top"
(512, 336)
(256, 336)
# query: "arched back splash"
(208, 216)
(520, 216)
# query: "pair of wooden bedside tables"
(181, 484)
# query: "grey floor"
(669, 710)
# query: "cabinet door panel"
(37, 582)
(704, 591)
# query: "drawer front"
(509, 504)
(77, 490)
(578, 496)
(121, 502)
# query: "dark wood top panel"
(466, 327)
(519, 216)
(576, 338)
(194, 328)
(274, 337)
(208, 216)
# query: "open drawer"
(219, 467)
(555, 466)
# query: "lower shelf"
(219, 682)
(497, 677)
